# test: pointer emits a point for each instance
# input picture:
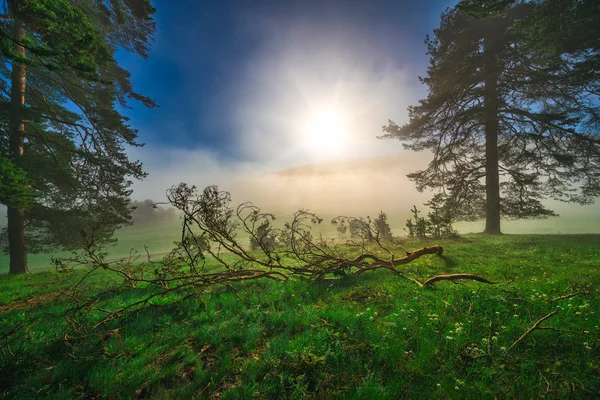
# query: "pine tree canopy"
(63, 138)
(508, 121)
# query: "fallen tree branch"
(210, 253)
(533, 328)
(455, 277)
(568, 296)
(451, 277)
(410, 256)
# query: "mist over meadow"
(352, 187)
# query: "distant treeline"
(147, 212)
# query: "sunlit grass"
(376, 336)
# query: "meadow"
(377, 335)
(158, 238)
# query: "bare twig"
(568, 296)
(533, 328)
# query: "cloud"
(302, 64)
(297, 67)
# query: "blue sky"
(236, 81)
(205, 66)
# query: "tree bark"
(491, 106)
(16, 215)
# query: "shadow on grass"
(449, 262)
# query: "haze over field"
(353, 186)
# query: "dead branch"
(568, 296)
(533, 328)
(455, 277)
(6, 336)
(210, 253)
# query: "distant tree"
(381, 227)
(439, 219)
(360, 228)
(64, 167)
(340, 227)
(438, 223)
(147, 212)
(507, 126)
(418, 228)
(365, 229)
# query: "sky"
(239, 82)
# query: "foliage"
(74, 157)
(377, 337)
(486, 82)
(568, 29)
(382, 227)
(438, 223)
(15, 187)
(364, 229)
(148, 212)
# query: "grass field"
(159, 237)
(374, 337)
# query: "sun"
(326, 130)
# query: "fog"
(356, 187)
(352, 186)
(264, 155)
(267, 161)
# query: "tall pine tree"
(507, 127)
(64, 167)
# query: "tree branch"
(533, 328)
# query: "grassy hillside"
(376, 336)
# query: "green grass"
(158, 238)
(376, 336)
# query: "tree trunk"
(16, 218)
(491, 106)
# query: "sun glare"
(326, 130)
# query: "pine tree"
(382, 227)
(65, 170)
(506, 126)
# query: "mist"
(262, 109)
(352, 187)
